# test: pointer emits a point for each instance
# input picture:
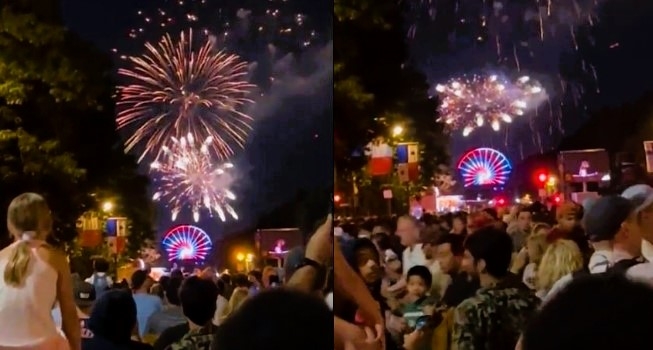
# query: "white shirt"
(99, 274)
(412, 257)
(600, 261)
(220, 304)
(530, 275)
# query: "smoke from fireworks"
(469, 103)
(187, 177)
(176, 89)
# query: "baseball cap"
(640, 195)
(603, 220)
(84, 294)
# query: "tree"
(57, 127)
(376, 87)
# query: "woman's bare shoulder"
(55, 257)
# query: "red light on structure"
(501, 201)
(557, 199)
(336, 198)
(542, 177)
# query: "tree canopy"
(57, 122)
(377, 87)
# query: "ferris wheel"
(484, 166)
(186, 242)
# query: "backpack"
(620, 267)
(101, 285)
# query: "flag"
(408, 161)
(89, 231)
(380, 161)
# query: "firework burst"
(187, 177)
(177, 90)
(486, 100)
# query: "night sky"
(290, 149)
(588, 55)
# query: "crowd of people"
(524, 277)
(43, 306)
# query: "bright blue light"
(484, 166)
(186, 242)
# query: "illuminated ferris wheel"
(483, 167)
(186, 242)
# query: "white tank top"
(25, 311)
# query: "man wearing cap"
(84, 298)
(614, 219)
(642, 198)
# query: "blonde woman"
(536, 245)
(237, 298)
(562, 258)
(34, 278)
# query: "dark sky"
(290, 149)
(572, 56)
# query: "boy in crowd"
(84, 299)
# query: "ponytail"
(16, 269)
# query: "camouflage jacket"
(494, 318)
(194, 340)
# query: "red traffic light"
(542, 177)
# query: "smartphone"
(421, 322)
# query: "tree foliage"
(376, 87)
(57, 122)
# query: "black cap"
(603, 220)
(84, 294)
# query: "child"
(99, 279)
(418, 283)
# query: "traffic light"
(542, 177)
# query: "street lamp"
(240, 257)
(107, 207)
(397, 130)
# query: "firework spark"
(187, 177)
(480, 100)
(177, 89)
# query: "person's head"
(171, 291)
(614, 218)
(568, 216)
(488, 252)
(459, 223)
(478, 220)
(141, 281)
(392, 262)
(268, 272)
(561, 258)
(642, 198)
(239, 280)
(255, 278)
(198, 297)
(599, 312)
(367, 260)
(524, 219)
(418, 281)
(84, 294)
(408, 229)
(541, 227)
(100, 265)
(114, 316)
(536, 245)
(28, 218)
(260, 318)
(177, 273)
(450, 252)
(429, 237)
